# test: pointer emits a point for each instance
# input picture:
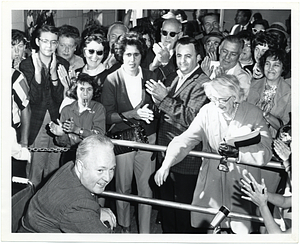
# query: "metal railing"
(159, 148)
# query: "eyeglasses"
(92, 51)
(254, 30)
(46, 41)
(172, 33)
(219, 100)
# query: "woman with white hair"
(226, 116)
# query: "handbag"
(136, 133)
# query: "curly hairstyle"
(275, 54)
(132, 39)
(225, 84)
(81, 79)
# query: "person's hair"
(132, 39)
(99, 38)
(257, 16)
(144, 31)
(46, 28)
(275, 54)
(233, 39)
(189, 40)
(88, 145)
(173, 22)
(262, 22)
(182, 13)
(119, 25)
(81, 79)
(209, 14)
(69, 31)
(225, 84)
(245, 35)
(18, 36)
(246, 12)
(263, 38)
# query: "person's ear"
(79, 165)
(198, 58)
(37, 42)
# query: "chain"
(45, 149)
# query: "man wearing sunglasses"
(164, 61)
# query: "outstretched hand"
(161, 175)
(257, 193)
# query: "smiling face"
(224, 102)
(47, 43)
(259, 50)
(131, 60)
(246, 52)
(186, 58)
(97, 169)
(66, 47)
(84, 93)
(93, 52)
(229, 54)
(273, 69)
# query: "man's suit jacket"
(64, 205)
(178, 111)
(43, 96)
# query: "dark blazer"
(42, 96)
(178, 111)
(115, 99)
(64, 205)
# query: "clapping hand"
(205, 66)
(56, 129)
(64, 76)
(37, 63)
(157, 90)
(145, 114)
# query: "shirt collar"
(184, 77)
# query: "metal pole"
(183, 206)
(148, 147)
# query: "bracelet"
(54, 80)
(123, 117)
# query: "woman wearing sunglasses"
(95, 49)
(226, 116)
(125, 99)
(259, 25)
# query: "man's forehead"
(213, 39)
(170, 26)
(210, 18)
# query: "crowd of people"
(190, 85)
